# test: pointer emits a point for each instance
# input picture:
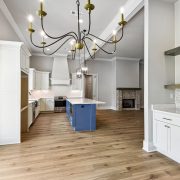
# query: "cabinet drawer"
(167, 118)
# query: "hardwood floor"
(53, 151)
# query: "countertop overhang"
(167, 108)
(84, 101)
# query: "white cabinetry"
(37, 109)
(42, 80)
(32, 79)
(25, 60)
(11, 93)
(166, 134)
(38, 80)
(77, 83)
(47, 104)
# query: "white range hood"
(60, 72)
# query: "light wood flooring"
(53, 151)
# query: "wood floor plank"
(52, 150)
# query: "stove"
(59, 104)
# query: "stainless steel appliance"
(60, 104)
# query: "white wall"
(159, 37)
(6, 31)
(177, 41)
(104, 70)
(141, 82)
(41, 63)
(127, 73)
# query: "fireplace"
(128, 103)
(128, 99)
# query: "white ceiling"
(59, 19)
(132, 44)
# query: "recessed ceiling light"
(48, 49)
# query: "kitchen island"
(81, 113)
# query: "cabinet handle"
(167, 119)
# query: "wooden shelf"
(173, 52)
(172, 86)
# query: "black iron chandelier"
(77, 40)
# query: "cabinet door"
(38, 81)
(44, 81)
(27, 63)
(43, 105)
(49, 104)
(162, 137)
(23, 60)
(32, 80)
(174, 147)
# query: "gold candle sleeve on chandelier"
(41, 5)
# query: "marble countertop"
(167, 108)
(84, 101)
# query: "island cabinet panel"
(82, 117)
(85, 117)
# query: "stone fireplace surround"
(128, 93)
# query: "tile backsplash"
(177, 95)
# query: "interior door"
(89, 86)
(162, 137)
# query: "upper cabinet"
(42, 80)
(38, 80)
(25, 60)
(77, 83)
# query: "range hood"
(60, 72)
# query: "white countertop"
(84, 101)
(167, 108)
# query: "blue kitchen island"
(81, 113)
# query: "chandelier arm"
(101, 47)
(57, 48)
(122, 34)
(109, 42)
(88, 50)
(41, 47)
(69, 33)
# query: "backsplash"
(55, 91)
(177, 100)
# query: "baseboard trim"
(7, 141)
(149, 146)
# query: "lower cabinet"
(167, 136)
(47, 104)
(81, 116)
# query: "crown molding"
(118, 59)
(12, 22)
